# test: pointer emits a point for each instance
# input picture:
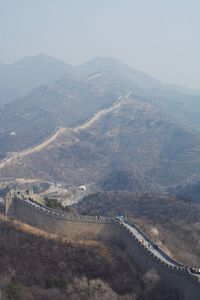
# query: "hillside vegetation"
(134, 139)
(40, 266)
(173, 223)
(76, 92)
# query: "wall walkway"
(137, 245)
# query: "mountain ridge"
(134, 138)
(28, 73)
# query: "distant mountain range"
(150, 139)
(21, 77)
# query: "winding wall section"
(173, 273)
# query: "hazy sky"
(159, 37)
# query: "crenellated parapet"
(44, 210)
(136, 244)
(170, 264)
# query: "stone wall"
(177, 278)
(106, 229)
(72, 228)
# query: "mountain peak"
(28, 73)
(106, 59)
(114, 65)
(39, 58)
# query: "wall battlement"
(176, 275)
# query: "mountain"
(67, 102)
(153, 129)
(183, 89)
(74, 98)
(114, 66)
(184, 107)
(183, 103)
(133, 143)
(21, 77)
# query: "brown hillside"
(173, 223)
(40, 266)
(134, 137)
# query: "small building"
(52, 186)
(82, 188)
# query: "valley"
(102, 140)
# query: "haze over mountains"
(117, 119)
(22, 76)
(133, 139)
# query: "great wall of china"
(137, 245)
